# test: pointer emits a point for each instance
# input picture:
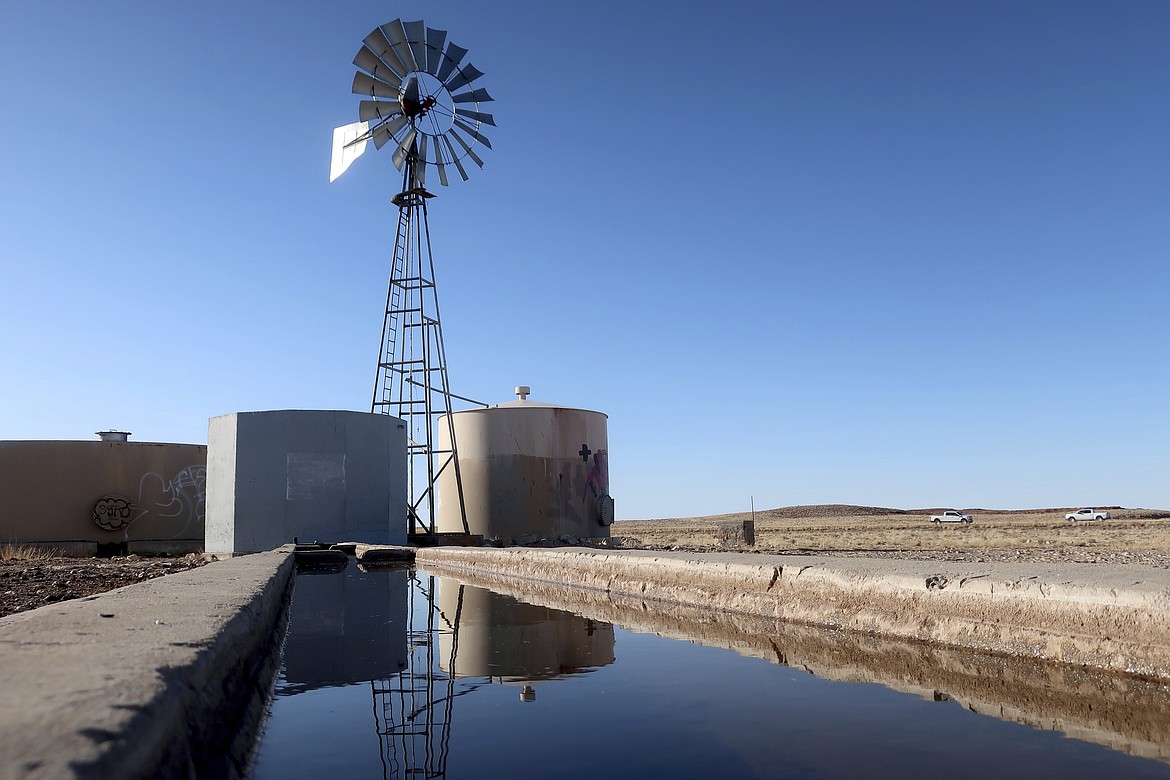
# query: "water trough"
(170, 676)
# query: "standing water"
(405, 674)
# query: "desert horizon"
(1132, 535)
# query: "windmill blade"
(403, 147)
(345, 150)
(435, 41)
(416, 36)
(411, 91)
(397, 37)
(471, 131)
(476, 116)
(365, 84)
(387, 131)
(451, 59)
(474, 96)
(378, 109)
(377, 43)
(420, 167)
(467, 74)
(372, 64)
(439, 165)
(455, 158)
(465, 146)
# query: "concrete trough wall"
(150, 496)
(1111, 618)
(166, 678)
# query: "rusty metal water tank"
(529, 469)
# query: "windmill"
(422, 101)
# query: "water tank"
(310, 474)
(528, 469)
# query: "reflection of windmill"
(503, 641)
(421, 98)
(412, 711)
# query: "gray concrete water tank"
(528, 468)
(311, 475)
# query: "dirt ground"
(1133, 536)
(1042, 535)
(28, 582)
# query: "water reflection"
(345, 627)
(511, 642)
(419, 643)
(381, 667)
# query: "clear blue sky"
(897, 253)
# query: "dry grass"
(830, 529)
(22, 552)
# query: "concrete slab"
(167, 678)
(371, 554)
(1107, 617)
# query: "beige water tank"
(528, 468)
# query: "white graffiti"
(183, 497)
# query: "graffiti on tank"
(597, 482)
(182, 497)
(112, 512)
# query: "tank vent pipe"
(522, 392)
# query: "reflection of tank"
(498, 636)
(345, 628)
(528, 468)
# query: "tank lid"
(113, 435)
(523, 402)
(529, 404)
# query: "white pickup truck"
(951, 517)
(1086, 514)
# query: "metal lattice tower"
(421, 99)
(412, 381)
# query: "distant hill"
(937, 510)
(853, 510)
(829, 510)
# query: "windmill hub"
(411, 108)
(425, 98)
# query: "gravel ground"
(28, 584)
(1130, 536)
(1157, 558)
